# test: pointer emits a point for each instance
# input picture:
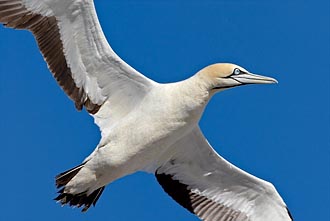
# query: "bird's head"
(225, 75)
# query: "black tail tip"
(75, 200)
(79, 200)
(63, 178)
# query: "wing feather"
(72, 43)
(213, 189)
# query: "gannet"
(145, 125)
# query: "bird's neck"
(193, 96)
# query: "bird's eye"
(237, 71)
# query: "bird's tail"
(77, 200)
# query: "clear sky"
(280, 133)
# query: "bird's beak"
(248, 78)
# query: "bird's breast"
(145, 134)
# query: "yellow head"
(225, 75)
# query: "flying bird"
(145, 125)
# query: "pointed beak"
(248, 78)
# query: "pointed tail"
(77, 200)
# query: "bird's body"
(145, 126)
(169, 112)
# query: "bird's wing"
(213, 189)
(71, 40)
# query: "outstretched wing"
(71, 40)
(213, 189)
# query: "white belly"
(143, 138)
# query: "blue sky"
(280, 133)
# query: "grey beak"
(248, 78)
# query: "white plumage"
(145, 125)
